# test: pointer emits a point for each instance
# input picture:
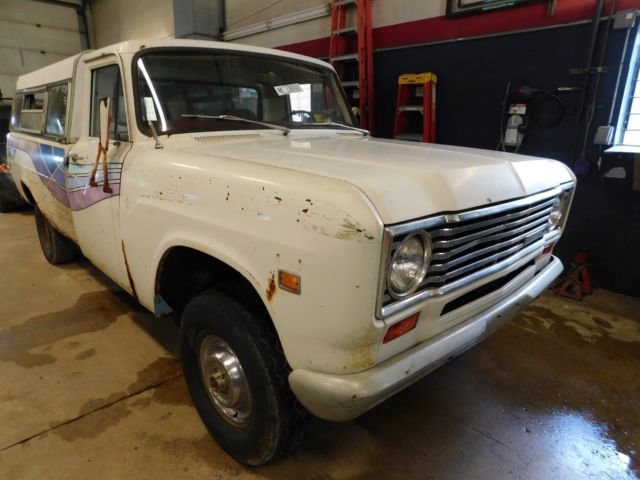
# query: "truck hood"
(403, 180)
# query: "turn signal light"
(289, 281)
(548, 249)
(401, 328)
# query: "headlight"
(409, 265)
(557, 211)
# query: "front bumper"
(344, 397)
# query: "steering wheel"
(306, 115)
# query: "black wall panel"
(473, 75)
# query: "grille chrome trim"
(473, 266)
(477, 213)
(525, 255)
(516, 231)
(485, 236)
(477, 253)
(447, 232)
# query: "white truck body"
(321, 204)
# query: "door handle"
(69, 157)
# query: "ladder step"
(411, 137)
(345, 58)
(346, 3)
(351, 84)
(346, 31)
(411, 108)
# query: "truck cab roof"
(63, 70)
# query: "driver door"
(96, 209)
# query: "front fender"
(258, 220)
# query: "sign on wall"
(456, 8)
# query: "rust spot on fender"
(126, 264)
(363, 349)
(351, 230)
(271, 289)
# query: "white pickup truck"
(313, 268)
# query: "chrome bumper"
(344, 397)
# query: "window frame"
(34, 91)
(53, 136)
(144, 129)
(121, 89)
(631, 83)
(45, 112)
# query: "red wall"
(442, 28)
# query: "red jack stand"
(577, 282)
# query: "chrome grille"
(467, 244)
(463, 249)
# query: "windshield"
(181, 90)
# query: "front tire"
(237, 375)
(57, 248)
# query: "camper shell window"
(43, 112)
(32, 111)
(56, 110)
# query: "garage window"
(628, 132)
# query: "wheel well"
(185, 272)
(27, 194)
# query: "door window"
(106, 82)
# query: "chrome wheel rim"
(224, 380)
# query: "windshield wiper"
(364, 132)
(285, 131)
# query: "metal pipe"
(593, 37)
(85, 25)
(222, 13)
(590, 112)
(595, 24)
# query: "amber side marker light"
(289, 281)
(402, 327)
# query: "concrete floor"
(89, 388)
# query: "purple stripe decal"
(80, 199)
(73, 191)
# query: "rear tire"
(247, 407)
(57, 248)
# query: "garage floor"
(89, 388)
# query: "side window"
(56, 110)
(106, 82)
(15, 110)
(32, 111)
